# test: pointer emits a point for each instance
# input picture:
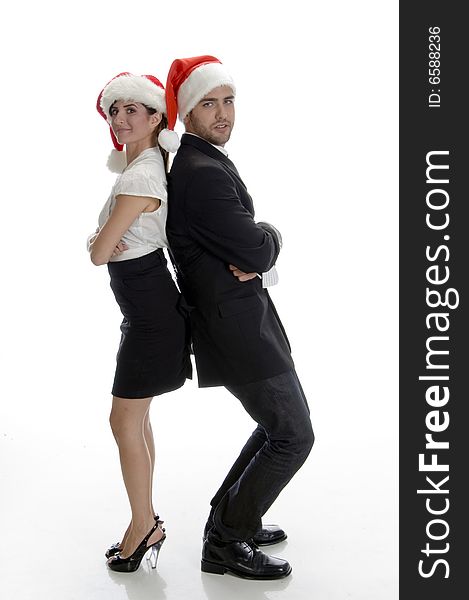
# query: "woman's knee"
(128, 418)
(117, 423)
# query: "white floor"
(62, 503)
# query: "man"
(220, 254)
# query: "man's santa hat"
(189, 80)
(145, 89)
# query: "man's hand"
(121, 247)
(241, 275)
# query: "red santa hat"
(146, 89)
(189, 80)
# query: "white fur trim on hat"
(136, 88)
(199, 83)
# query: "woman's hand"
(121, 247)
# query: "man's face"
(213, 117)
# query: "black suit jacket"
(237, 335)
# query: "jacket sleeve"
(220, 223)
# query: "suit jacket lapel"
(208, 149)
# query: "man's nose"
(221, 112)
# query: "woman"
(153, 356)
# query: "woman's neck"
(135, 149)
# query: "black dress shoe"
(268, 535)
(241, 559)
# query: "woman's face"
(131, 122)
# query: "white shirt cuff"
(270, 278)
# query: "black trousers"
(275, 451)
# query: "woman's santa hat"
(145, 89)
(189, 80)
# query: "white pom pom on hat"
(117, 161)
(146, 89)
(189, 80)
(169, 140)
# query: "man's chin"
(219, 139)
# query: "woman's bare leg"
(128, 426)
(148, 434)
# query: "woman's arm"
(124, 213)
(91, 239)
(121, 246)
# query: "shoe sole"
(216, 569)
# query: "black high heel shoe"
(132, 563)
(116, 548)
(155, 552)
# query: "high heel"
(155, 552)
(116, 548)
(132, 563)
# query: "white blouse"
(144, 176)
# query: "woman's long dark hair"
(161, 125)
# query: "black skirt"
(153, 356)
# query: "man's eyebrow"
(215, 99)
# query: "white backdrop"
(315, 141)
